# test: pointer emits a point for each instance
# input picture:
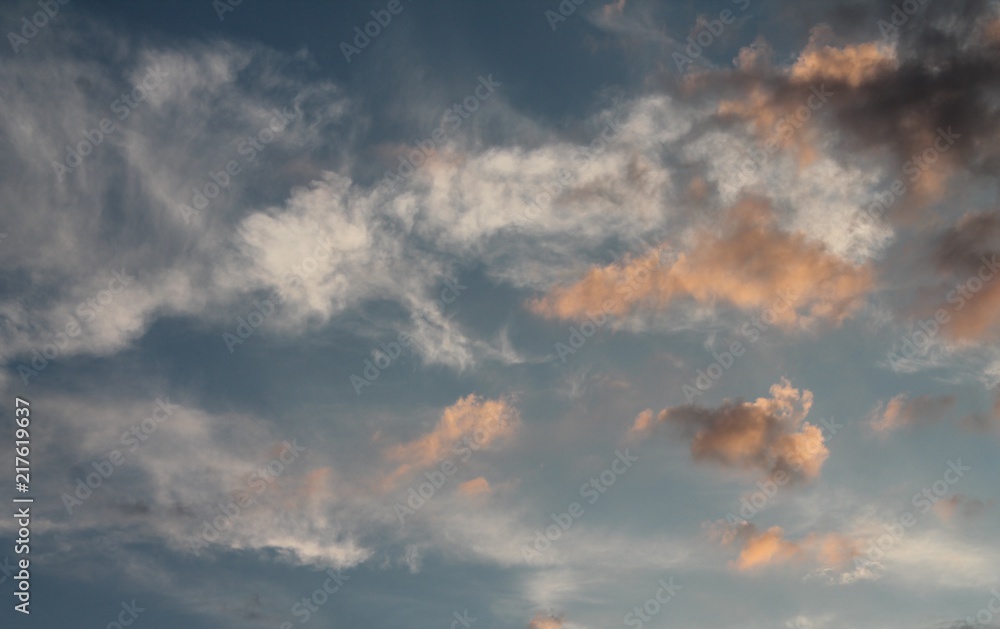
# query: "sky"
(504, 315)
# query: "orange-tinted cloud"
(751, 264)
(759, 549)
(902, 411)
(780, 119)
(768, 434)
(852, 65)
(545, 621)
(480, 422)
(958, 504)
(969, 253)
(475, 487)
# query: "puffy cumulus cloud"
(546, 621)
(759, 549)
(958, 504)
(750, 263)
(476, 422)
(768, 434)
(902, 410)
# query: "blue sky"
(509, 315)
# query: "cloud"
(968, 254)
(545, 621)
(958, 504)
(852, 65)
(475, 487)
(478, 423)
(750, 264)
(903, 411)
(767, 435)
(759, 549)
